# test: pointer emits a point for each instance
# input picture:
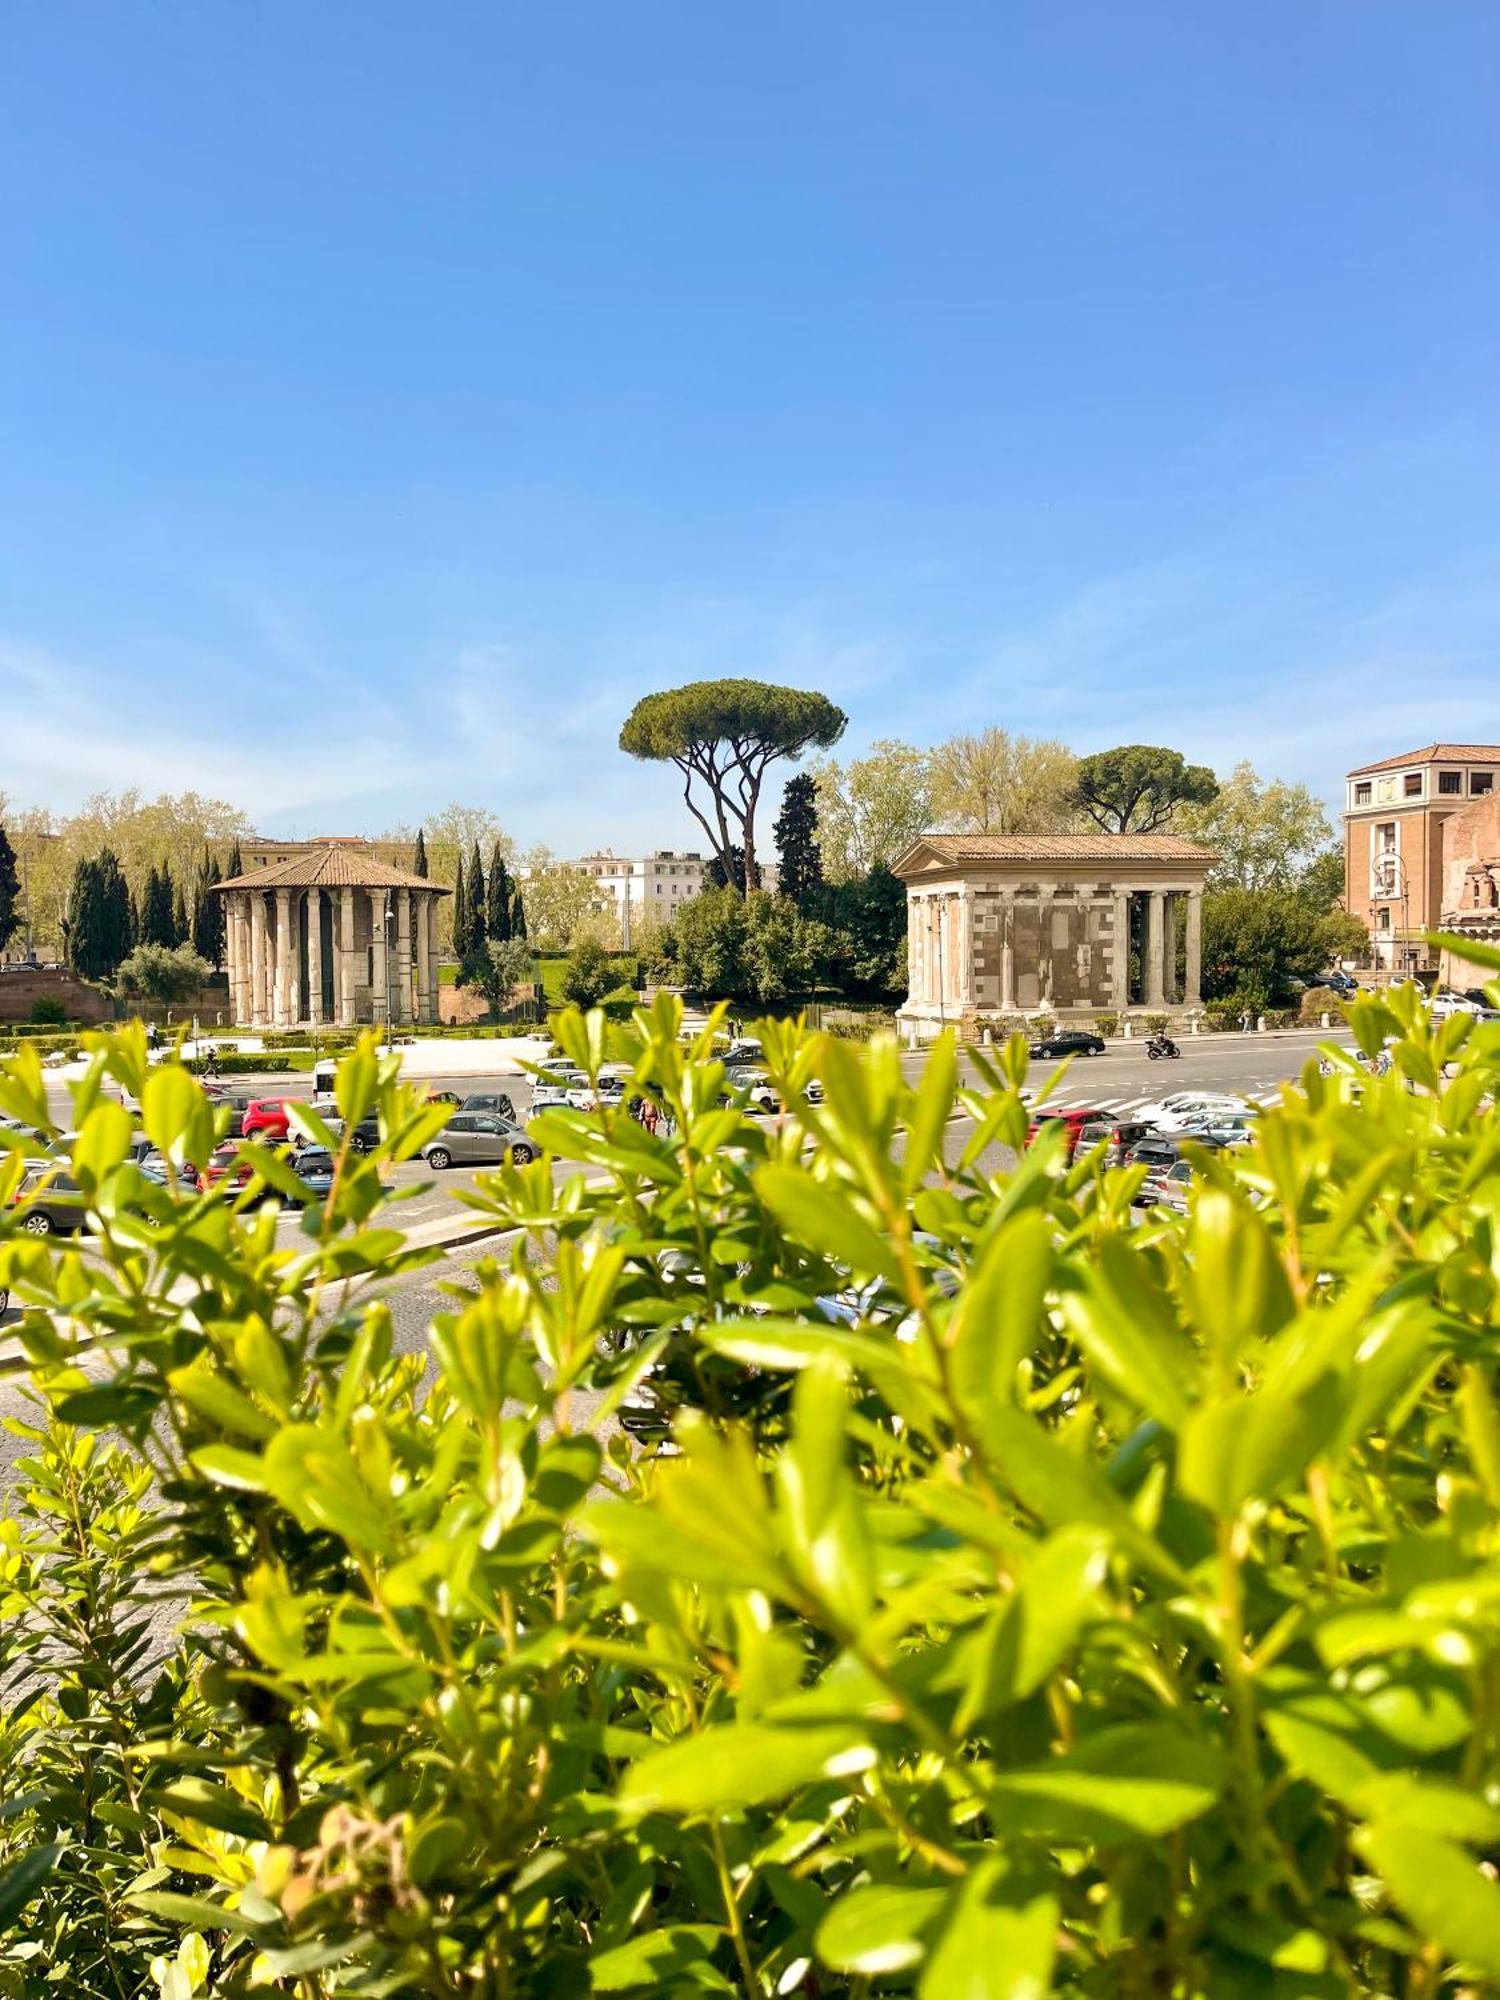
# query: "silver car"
(476, 1139)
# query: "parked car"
(48, 1203)
(265, 1118)
(1068, 1042)
(1190, 1107)
(494, 1103)
(315, 1167)
(1231, 1129)
(478, 1138)
(1116, 1135)
(1167, 1188)
(4, 1300)
(557, 1092)
(1155, 1152)
(1343, 983)
(1072, 1121)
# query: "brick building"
(1394, 815)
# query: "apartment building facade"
(630, 887)
(1394, 814)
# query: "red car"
(265, 1118)
(1072, 1121)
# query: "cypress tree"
(180, 927)
(477, 911)
(10, 886)
(156, 908)
(236, 865)
(419, 856)
(497, 898)
(208, 913)
(517, 913)
(460, 914)
(132, 917)
(797, 838)
(117, 926)
(87, 923)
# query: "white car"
(1186, 1108)
(1446, 1005)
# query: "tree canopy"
(1264, 832)
(164, 973)
(872, 808)
(1139, 787)
(725, 735)
(997, 783)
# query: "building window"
(1411, 785)
(1450, 783)
(1481, 782)
(1362, 793)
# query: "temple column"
(421, 912)
(403, 955)
(965, 918)
(345, 959)
(1192, 985)
(284, 963)
(258, 1011)
(1169, 950)
(1044, 947)
(231, 955)
(380, 995)
(1007, 953)
(1121, 967)
(315, 956)
(1155, 940)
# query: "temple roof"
(335, 866)
(1116, 848)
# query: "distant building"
(263, 851)
(660, 882)
(1394, 859)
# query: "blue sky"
(390, 394)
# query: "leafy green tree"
(1140, 788)
(1322, 879)
(164, 973)
(1257, 941)
(866, 924)
(419, 856)
(508, 964)
(497, 925)
(996, 783)
(724, 736)
(1265, 833)
(10, 889)
(760, 948)
(872, 809)
(561, 906)
(796, 835)
(589, 975)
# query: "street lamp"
(1391, 864)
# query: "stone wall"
(21, 986)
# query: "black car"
(492, 1103)
(1155, 1150)
(1069, 1042)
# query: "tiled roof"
(332, 866)
(1111, 847)
(1436, 753)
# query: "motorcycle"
(1162, 1046)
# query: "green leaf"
(999, 1942)
(225, 1466)
(213, 1805)
(878, 1929)
(1123, 1320)
(23, 1878)
(821, 1514)
(313, 1474)
(1134, 1781)
(176, 1115)
(656, 1958)
(1001, 1312)
(211, 1394)
(1033, 1628)
(1250, 1446)
(741, 1764)
(1440, 1890)
(102, 1142)
(825, 1219)
(929, 1117)
(195, 1912)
